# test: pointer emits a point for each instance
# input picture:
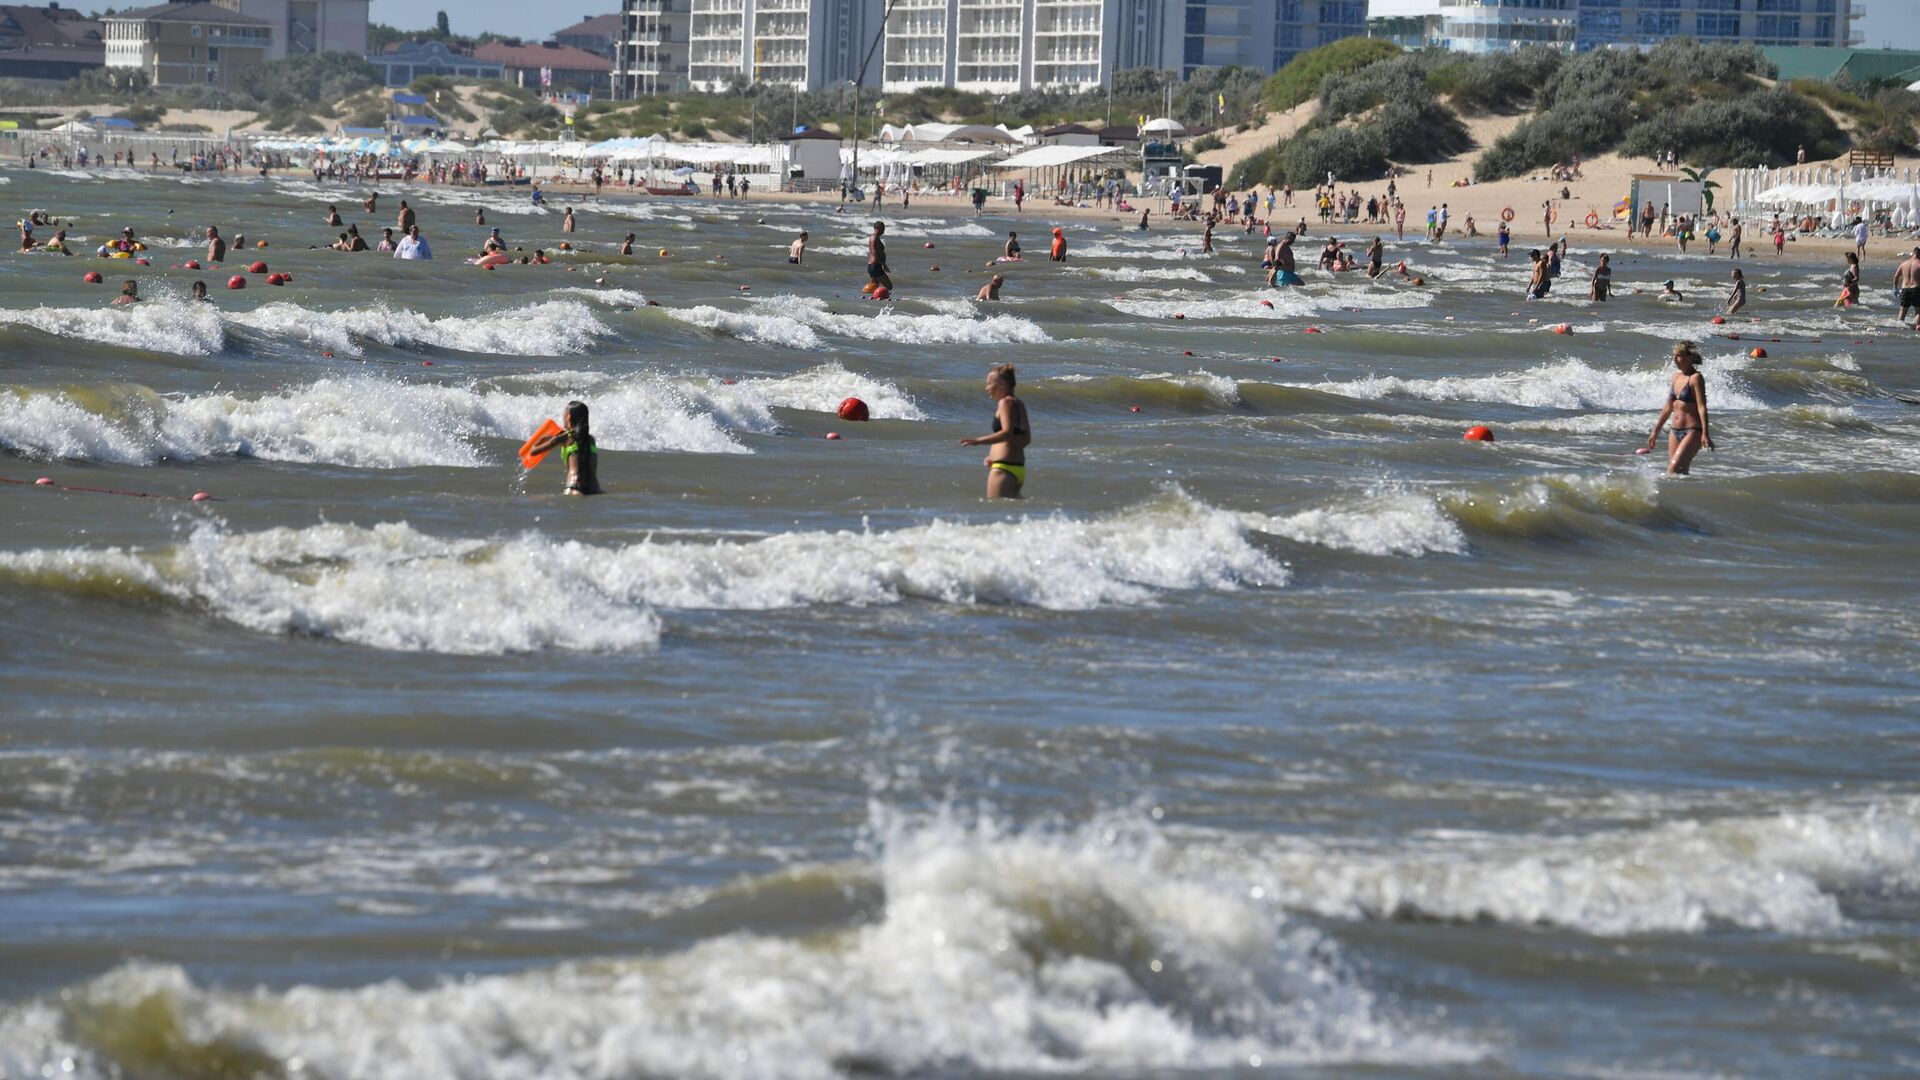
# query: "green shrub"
(1765, 127)
(1260, 167)
(309, 79)
(1574, 128)
(1301, 79)
(1207, 144)
(1420, 130)
(1348, 153)
(1499, 82)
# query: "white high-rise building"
(1002, 46)
(810, 44)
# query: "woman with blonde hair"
(1007, 445)
(1686, 407)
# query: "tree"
(440, 24)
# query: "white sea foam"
(156, 326)
(1396, 523)
(1145, 273)
(393, 587)
(359, 422)
(754, 326)
(625, 297)
(1785, 873)
(553, 328)
(1568, 384)
(794, 322)
(1223, 391)
(822, 389)
(995, 951)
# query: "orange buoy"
(1562, 328)
(663, 253)
(1758, 353)
(260, 244)
(1479, 433)
(236, 282)
(853, 410)
(1311, 330)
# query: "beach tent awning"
(938, 133)
(930, 155)
(1163, 126)
(1798, 194)
(1047, 157)
(74, 127)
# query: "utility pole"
(862, 77)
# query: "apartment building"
(1604, 23)
(186, 44)
(650, 48)
(309, 27)
(809, 45)
(1004, 46)
(1495, 25)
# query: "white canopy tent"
(1164, 125)
(940, 133)
(1049, 157)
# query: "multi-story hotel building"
(186, 44)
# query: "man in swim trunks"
(797, 251)
(1012, 434)
(1283, 273)
(216, 247)
(991, 290)
(877, 258)
(1906, 279)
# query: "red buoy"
(1719, 320)
(236, 282)
(190, 264)
(1479, 433)
(93, 277)
(1562, 328)
(853, 409)
(833, 436)
(1758, 353)
(883, 293)
(257, 268)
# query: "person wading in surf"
(577, 449)
(1686, 406)
(1007, 453)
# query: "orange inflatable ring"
(1507, 214)
(1593, 220)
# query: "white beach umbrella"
(1165, 125)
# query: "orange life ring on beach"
(1593, 220)
(1507, 214)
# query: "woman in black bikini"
(1686, 406)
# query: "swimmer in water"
(577, 449)
(129, 294)
(333, 216)
(1007, 453)
(479, 215)
(877, 258)
(1669, 294)
(1602, 284)
(991, 290)
(566, 223)
(1686, 406)
(1737, 297)
(1012, 250)
(199, 292)
(626, 246)
(797, 251)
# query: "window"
(1718, 26)
(1286, 37)
(1196, 50)
(1604, 24)
(194, 30)
(213, 53)
(1823, 28)
(1196, 19)
(1785, 27)
(193, 52)
(1660, 23)
(1776, 5)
